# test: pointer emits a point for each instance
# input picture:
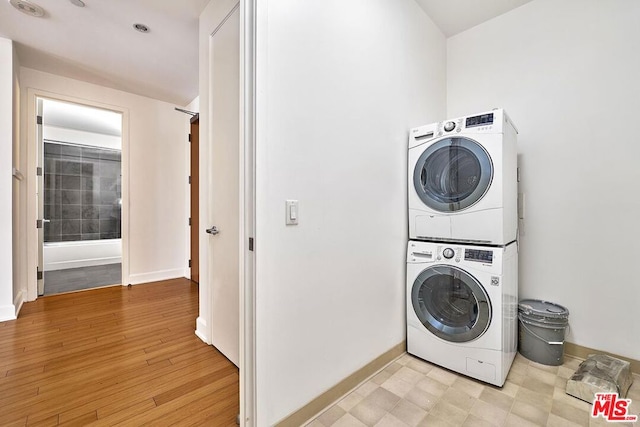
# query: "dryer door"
(453, 174)
(451, 303)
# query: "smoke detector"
(27, 7)
(141, 27)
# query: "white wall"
(54, 133)
(156, 166)
(567, 72)
(339, 86)
(7, 309)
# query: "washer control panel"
(478, 255)
(448, 253)
(418, 254)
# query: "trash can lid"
(543, 308)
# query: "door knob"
(213, 230)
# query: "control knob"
(448, 253)
(449, 126)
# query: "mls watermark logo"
(612, 408)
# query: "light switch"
(292, 212)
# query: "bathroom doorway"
(79, 197)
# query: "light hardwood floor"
(114, 356)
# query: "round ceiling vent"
(27, 7)
(141, 27)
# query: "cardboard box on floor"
(600, 373)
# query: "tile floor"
(75, 279)
(412, 392)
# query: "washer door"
(453, 174)
(451, 303)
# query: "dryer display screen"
(478, 255)
(484, 119)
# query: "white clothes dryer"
(462, 307)
(463, 180)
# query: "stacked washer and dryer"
(462, 257)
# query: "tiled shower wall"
(82, 192)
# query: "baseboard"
(313, 408)
(7, 312)
(155, 276)
(18, 301)
(201, 330)
(575, 350)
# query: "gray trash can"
(541, 330)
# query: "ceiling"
(455, 16)
(97, 43)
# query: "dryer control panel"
(481, 120)
(488, 122)
(478, 123)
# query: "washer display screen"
(478, 255)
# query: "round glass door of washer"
(451, 303)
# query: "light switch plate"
(292, 212)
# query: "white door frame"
(247, 210)
(32, 212)
(213, 15)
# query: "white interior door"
(224, 200)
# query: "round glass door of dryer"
(451, 303)
(453, 174)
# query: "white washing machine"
(463, 180)
(462, 306)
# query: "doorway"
(79, 196)
(227, 130)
